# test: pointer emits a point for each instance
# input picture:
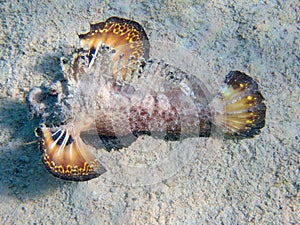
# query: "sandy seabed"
(253, 181)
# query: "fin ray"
(126, 37)
(68, 159)
(242, 112)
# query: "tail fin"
(242, 112)
(66, 156)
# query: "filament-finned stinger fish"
(121, 98)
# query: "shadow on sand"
(22, 173)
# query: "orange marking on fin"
(244, 109)
(126, 37)
(66, 156)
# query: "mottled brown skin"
(168, 113)
(161, 102)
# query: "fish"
(112, 88)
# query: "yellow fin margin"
(66, 156)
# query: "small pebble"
(24, 159)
